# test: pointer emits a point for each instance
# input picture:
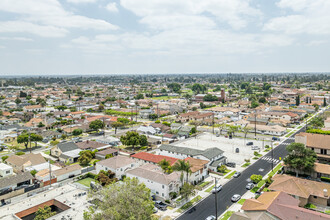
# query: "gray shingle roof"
(67, 146)
(14, 179)
(208, 153)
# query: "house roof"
(196, 164)
(90, 144)
(316, 140)
(67, 169)
(154, 173)
(322, 168)
(26, 159)
(208, 153)
(281, 205)
(32, 106)
(14, 179)
(107, 151)
(299, 187)
(154, 158)
(117, 162)
(67, 146)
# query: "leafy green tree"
(106, 178)
(77, 132)
(316, 107)
(18, 101)
(175, 87)
(85, 157)
(187, 190)
(139, 96)
(44, 213)
(35, 138)
(297, 100)
(153, 116)
(254, 104)
(300, 157)
(96, 125)
(116, 125)
(256, 178)
(262, 100)
(222, 169)
(266, 86)
(123, 120)
(40, 125)
(198, 88)
(61, 107)
(210, 98)
(23, 139)
(183, 166)
(127, 200)
(317, 122)
(324, 102)
(193, 130)
(33, 172)
(232, 129)
(132, 138)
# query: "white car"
(217, 188)
(235, 198)
(211, 217)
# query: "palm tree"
(166, 166)
(183, 166)
(246, 130)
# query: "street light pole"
(272, 156)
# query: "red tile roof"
(154, 158)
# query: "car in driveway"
(255, 148)
(231, 164)
(211, 217)
(235, 198)
(160, 205)
(237, 174)
(217, 188)
(249, 186)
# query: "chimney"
(325, 193)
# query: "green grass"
(327, 212)
(246, 164)
(262, 182)
(202, 184)
(230, 175)
(86, 182)
(209, 189)
(189, 204)
(164, 97)
(255, 158)
(47, 152)
(310, 206)
(254, 189)
(241, 201)
(289, 134)
(227, 215)
(266, 189)
(268, 149)
(325, 179)
(277, 168)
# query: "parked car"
(231, 164)
(155, 210)
(237, 150)
(217, 188)
(255, 148)
(237, 174)
(235, 198)
(192, 210)
(276, 139)
(249, 143)
(249, 186)
(211, 217)
(160, 205)
(45, 140)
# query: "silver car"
(217, 188)
(211, 217)
(235, 198)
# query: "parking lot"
(229, 146)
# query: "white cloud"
(50, 14)
(234, 12)
(112, 7)
(16, 38)
(81, 1)
(27, 27)
(309, 17)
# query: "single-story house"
(104, 153)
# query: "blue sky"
(163, 36)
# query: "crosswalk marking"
(270, 160)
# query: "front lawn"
(203, 184)
(227, 215)
(209, 189)
(189, 204)
(246, 164)
(276, 169)
(230, 175)
(86, 182)
(241, 201)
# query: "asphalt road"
(236, 185)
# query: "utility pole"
(215, 196)
(213, 123)
(255, 124)
(30, 141)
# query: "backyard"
(86, 182)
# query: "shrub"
(33, 172)
(267, 146)
(256, 153)
(256, 178)
(4, 158)
(20, 153)
(173, 195)
(247, 160)
(222, 169)
(53, 143)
